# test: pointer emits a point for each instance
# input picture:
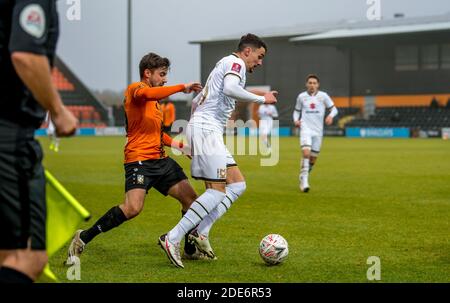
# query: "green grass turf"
(369, 197)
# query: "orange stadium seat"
(60, 81)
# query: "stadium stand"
(78, 99)
(413, 117)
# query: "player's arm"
(162, 92)
(296, 115)
(179, 145)
(157, 93)
(28, 49)
(257, 92)
(333, 110)
(232, 89)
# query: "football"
(273, 249)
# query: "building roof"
(375, 31)
(348, 28)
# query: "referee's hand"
(65, 122)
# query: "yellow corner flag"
(64, 215)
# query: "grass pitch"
(369, 197)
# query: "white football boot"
(202, 243)
(304, 185)
(75, 249)
(197, 255)
(172, 250)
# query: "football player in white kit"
(309, 115)
(51, 133)
(211, 161)
(266, 114)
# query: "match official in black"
(28, 36)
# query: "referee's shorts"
(23, 209)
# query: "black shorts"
(23, 210)
(161, 174)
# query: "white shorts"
(210, 157)
(312, 142)
(265, 127)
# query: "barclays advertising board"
(356, 132)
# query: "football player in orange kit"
(146, 162)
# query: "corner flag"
(64, 215)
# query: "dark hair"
(152, 61)
(312, 76)
(252, 41)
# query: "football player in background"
(309, 114)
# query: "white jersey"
(312, 109)
(212, 108)
(267, 112)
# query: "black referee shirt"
(25, 26)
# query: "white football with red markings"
(273, 249)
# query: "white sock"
(304, 171)
(199, 209)
(233, 192)
(305, 166)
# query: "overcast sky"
(95, 47)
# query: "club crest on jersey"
(312, 106)
(236, 67)
(32, 20)
(221, 173)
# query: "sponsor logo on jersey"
(32, 20)
(236, 67)
(312, 106)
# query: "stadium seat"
(413, 117)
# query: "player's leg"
(264, 131)
(130, 208)
(306, 143)
(137, 182)
(51, 132)
(183, 192)
(234, 189)
(316, 143)
(269, 133)
(199, 209)
(209, 164)
(56, 142)
(175, 184)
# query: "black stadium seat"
(413, 117)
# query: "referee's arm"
(28, 47)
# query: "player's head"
(312, 83)
(153, 69)
(252, 50)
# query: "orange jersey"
(144, 121)
(168, 113)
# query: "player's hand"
(298, 123)
(65, 122)
(192, 87)
(329, 120)
(271, 97)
